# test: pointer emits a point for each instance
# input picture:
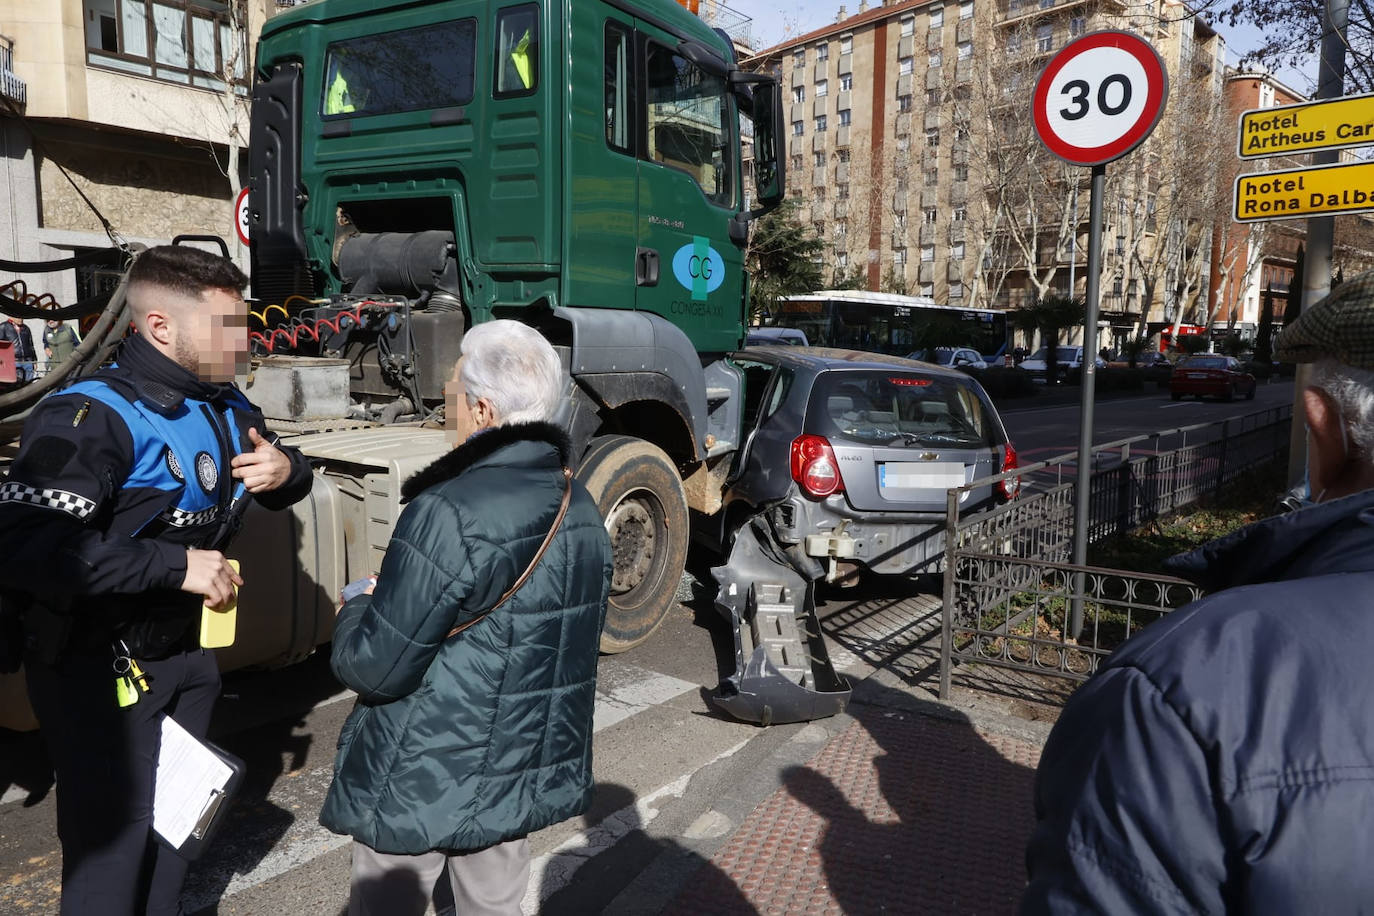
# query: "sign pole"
(1083, 491)
(1320, 229)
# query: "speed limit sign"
(241, 216)
(1100, 97)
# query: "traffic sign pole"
(1095, 101)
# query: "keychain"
(130, 681)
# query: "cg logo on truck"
(699, 268)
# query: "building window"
(956, 290)
(956, 251)
(965, 50)
(1044, 38)
(841, 155)
(842, 260)
(959, 215)
(903, 143)
(818, 159)
(847, 82)
(961, 173)
(822, 88)
(823, 52)
(192, 42)
(908, 26)
(932, 177)
(961, 133)
(904, 103)
(966, 9)
(798, 94)
(819, 229)
(927, 290)
(1078, 25)
(844, 118)
(936, 59)
(937, 18)
(846, 44)
(904, 66)
(899, 257)
(932, 136)
(928, 216)
(841, 226)
(932, 97)
(927, 253)
(842, 191)
(1014, 42)
(818, 192)
(798, 128)
(900, 182)
(820, 124)
(799, 57)
(796, 162)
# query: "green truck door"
(688, 192)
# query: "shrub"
(1001, 382)
(1114, 379)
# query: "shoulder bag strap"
(538, 555)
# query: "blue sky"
(774, 21)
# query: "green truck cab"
(417, 168)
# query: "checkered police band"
(73, 504)
(206, 472)
(180, 518)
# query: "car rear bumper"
(888, 543)
(1200, 387)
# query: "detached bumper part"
(783, 672)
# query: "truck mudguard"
(615, 341)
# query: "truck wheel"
(639, 493)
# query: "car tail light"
(814, 466)
(1009, 487)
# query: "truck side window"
(689, 123)
(617, 88)
(517, 51)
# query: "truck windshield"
(409, 70)
(879, 408)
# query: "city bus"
(887, 322)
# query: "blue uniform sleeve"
(1126, 818)
(56, 503)
(384, 642)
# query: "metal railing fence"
(1012, 596)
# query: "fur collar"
(482, 446)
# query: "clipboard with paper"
(195, 782)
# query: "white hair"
(514, 368)
(1353, 391)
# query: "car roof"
(820, 359)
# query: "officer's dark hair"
(188, 271)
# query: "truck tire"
(639, 493)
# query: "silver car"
(849, 456)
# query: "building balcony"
(899, 201)
(842, 172)
(11, 86)
(842, 135)
(820, 106)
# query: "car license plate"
(1196, 374)
(920, 475)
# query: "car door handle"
(646, 267)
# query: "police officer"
(126, 488)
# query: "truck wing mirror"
(765, 106)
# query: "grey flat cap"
(1339, 326)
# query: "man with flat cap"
(1223, 760)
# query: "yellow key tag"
(217, 627)
(126, 694)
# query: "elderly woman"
(473, 725)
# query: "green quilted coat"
(461, 743)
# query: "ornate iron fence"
(1009, 585)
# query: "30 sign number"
(1099, 97)
(1078, 90)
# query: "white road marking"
(626, 690)
(552, 871)
(14, 794)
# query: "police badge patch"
(174, 467)
(206, 472)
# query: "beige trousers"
(488, 882)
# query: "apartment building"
(134, 110)
(899, 114)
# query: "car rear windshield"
(898, 408)
(408, 70)
(1206, 362)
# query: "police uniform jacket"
(458, 743)
(1222, 761)
(116, 476)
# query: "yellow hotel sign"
(1303, 128)
(1320, 191)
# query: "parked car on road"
(951, 357)
(767, 337)
(1211, 375)
(1069, 363)
(850, 455)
